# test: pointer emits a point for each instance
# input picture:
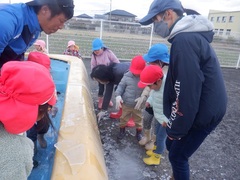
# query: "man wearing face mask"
(195, 98)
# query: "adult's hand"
(101, 114)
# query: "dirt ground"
(218, 158)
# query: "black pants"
(100, 89)
(40, 127)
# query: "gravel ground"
(217, 158)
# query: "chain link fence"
(127, 40)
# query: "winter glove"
(140, 102)
(119, 102)
(101, 115)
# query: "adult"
(110, 76)
(195, 98)
(26, 89)
(101, 55)
(21, 24)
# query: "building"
(84, 16)
(226, 23)
(120, 15)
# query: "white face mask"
(161, 28)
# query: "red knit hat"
(24, 85)
(150, 75)
(137, 65)
(39, 58)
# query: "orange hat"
(137, 65)
(24, 85)
(40, 58)
(150, 75)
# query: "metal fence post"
(151, 36)
(101, 28)
(47, 43)
(238, 62)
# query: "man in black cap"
(195, 98)
(21, 24)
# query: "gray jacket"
(128, 89)
(16, 156)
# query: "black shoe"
(139, 134)
(122, 133)
(35, 163)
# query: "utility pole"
(110, 15)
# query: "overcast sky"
(140, 7)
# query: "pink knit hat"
(24, 85)
(70, 43)
(40, 43)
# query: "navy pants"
(40, 127)
(181, 150)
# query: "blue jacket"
(194, 93)
(19, 30)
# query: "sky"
(140, 7)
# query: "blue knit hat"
(97, 44)
(159, 6)
(157, 52)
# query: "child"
(40, 128)
(153, 77)
(72, 50)
(101, 55)
(157, 55)
(40, 46)
(26, 88)
(126, 93)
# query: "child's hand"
(164, 124)
(119, 102)
(139, 102)
(147, 104)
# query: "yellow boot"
(155, 159)
(150, 152)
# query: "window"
(221, 31)
(228, 31)
(224, 19)
(215, 31)
(218, 19)
(231, 18)
(212, 19)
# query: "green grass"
(126, 46)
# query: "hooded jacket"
(194, 93)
